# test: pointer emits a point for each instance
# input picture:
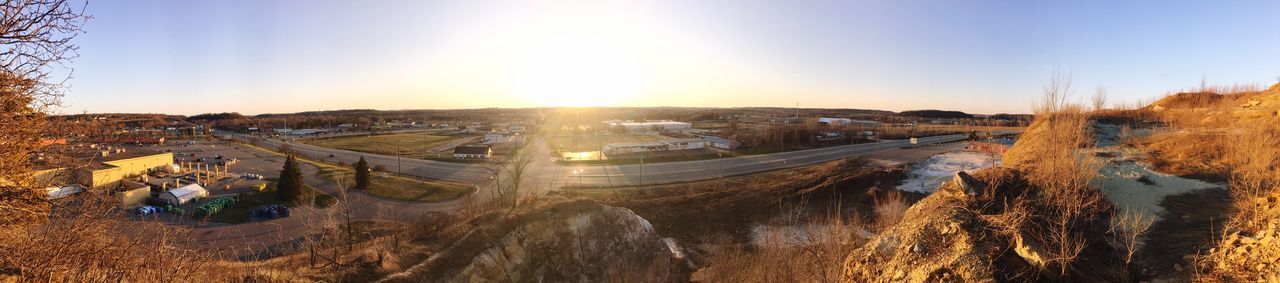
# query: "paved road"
(263, 238)
(547, 174)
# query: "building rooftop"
(127, 154)
(471, 149)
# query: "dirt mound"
(572, 241)
(966, 232)
(1187, 100)
(1210, 108)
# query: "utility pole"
(642, 167)
(397, 158)
(783, 139)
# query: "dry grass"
(414, 145)
(1213, 140)
(1053, 158)
(396, 187)
(789, 226)
(89, 241)
(809, 252)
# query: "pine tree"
(362, 174)
(289, 187)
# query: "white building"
(304, 132)
(721, 143)
(846, 122)
(665, 145)
(184, 194)
(646, 126)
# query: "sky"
(252, 57)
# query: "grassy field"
(595, 142)
(395, 187)
(414, 145)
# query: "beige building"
(131, 194)
(108, 167)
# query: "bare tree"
(1056, 93)
(1127, 230)
(495, 167)
(1100, 99)
(1053, 159)
(36, 36)
(521, 158)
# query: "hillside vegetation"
(1234, 138)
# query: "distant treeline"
(936, 114)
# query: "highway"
(547, 174)
(265, 238)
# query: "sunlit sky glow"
(189, 57)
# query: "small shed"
(64, 191)
(184, 194)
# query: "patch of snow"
(1131, 185)
(926, 176)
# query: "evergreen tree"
(362, 174)
(289, 187)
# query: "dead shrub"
(889, 210)
(1052, 156)
(89, 241)
(794, 252)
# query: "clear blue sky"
(189, 57)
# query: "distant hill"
(935, 114)
(215, 116)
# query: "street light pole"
(720, 158)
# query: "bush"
(324, 201)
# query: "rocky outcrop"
(1251, 252)
(574, 241)
(982, 228)
(940, 239)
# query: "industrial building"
(107, 170)
(649, 126)
(475, 152)
(656, 146)
(116, 164)
(130, 194)
(106, 167)
(184, 194)
(721, 143)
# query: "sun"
(578, 71)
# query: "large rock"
(574, 241)
(940, 239)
